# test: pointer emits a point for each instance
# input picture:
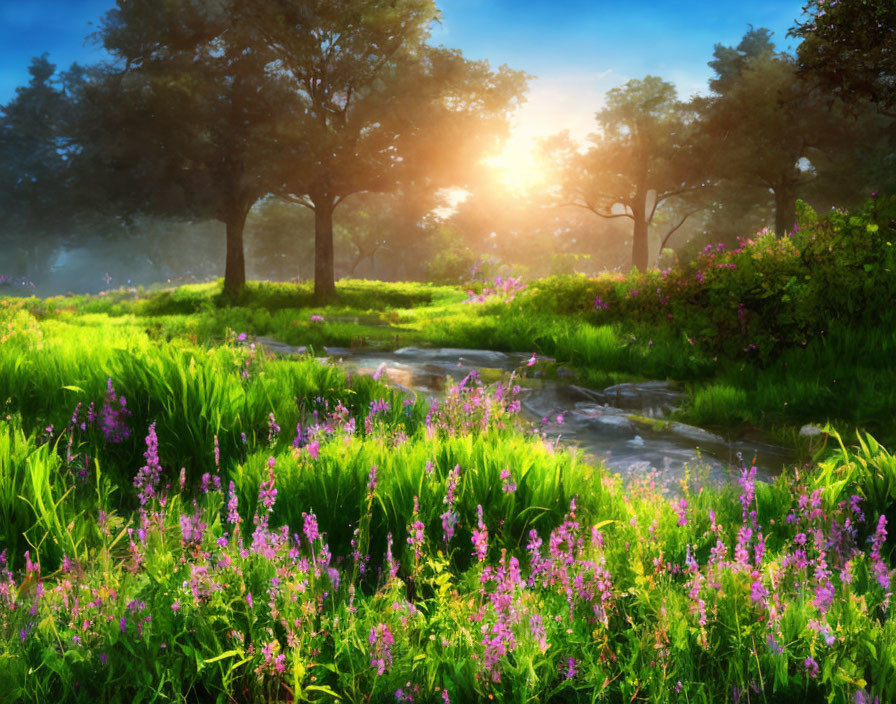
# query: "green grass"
(845, 376)
(255, 612)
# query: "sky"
(575, 49)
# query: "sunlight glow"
(518, 167)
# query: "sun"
(518, 167)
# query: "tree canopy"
(379, 107)
(769, 126)
(188, 117)
(646, 154)
(850, 47)
(35, 174)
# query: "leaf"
(324, 689)
(871, 649)
(76, 389)
(227, 654)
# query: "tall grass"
(47, 507)
(335, 486)
(193, 394)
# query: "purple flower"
(509, 487)
(381, 642)
(192, 527)
(862, 697)
(480, 537)
(317, 318)
(450, 517)
(148, 476)
(415, 532)
(757, 591)
(536, 628)
(390, 561)
(878, 566)
(233, 515)
(854, 502)
(273, 428)
(811, 667)
(113, 416)
(310, 528)
(267, 494)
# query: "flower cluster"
(501, 289)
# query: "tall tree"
(645, 155)
(850, 47)
(34, 167)
(187, 119)
(768, 125)
(379, 106)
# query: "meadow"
(184, 517)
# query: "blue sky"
(578, 49)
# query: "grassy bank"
(845, 376)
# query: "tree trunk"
(785, 210)
(324, 270)
(639, 236)
(235, 264)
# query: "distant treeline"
(325, 139)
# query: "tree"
(34, 168)
(850, 47)
(188, 118)
(646, 155)
(379, 106)
(769, 126)
(383, 228)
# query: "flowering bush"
(502, 289)
(767, 294)
(17, 325)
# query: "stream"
(625, 426)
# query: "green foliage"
(848, 46)
(182, 602)
(718, 404)
(765, 296)
(867, 470)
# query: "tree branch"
(304, 201)
(680, 223)
(591, 209)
